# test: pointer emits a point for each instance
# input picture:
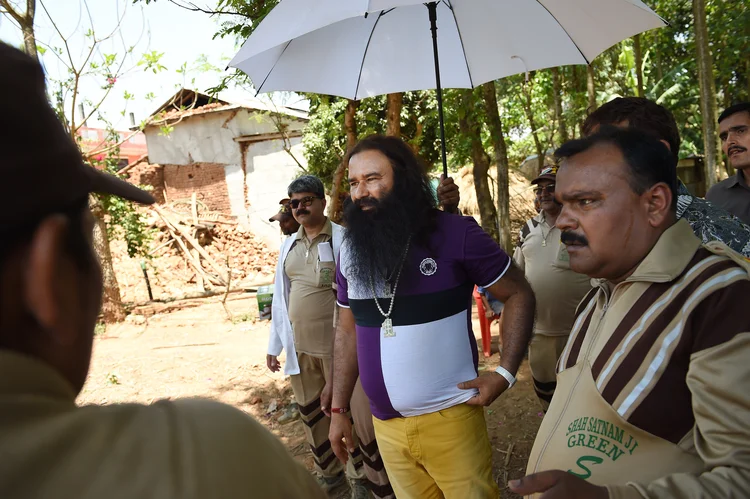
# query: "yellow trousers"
(444, 454)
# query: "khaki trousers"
(544, 351)
(365, 461)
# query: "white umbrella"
(394, 46)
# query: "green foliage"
(124, 220)
(151, 61)
(668, 69)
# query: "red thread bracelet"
(340, 410)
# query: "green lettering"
(610, 433)
(603, 443)
(571, 441)
(592, 425)
(619, 433)
(627, 445)
(602, 429)
(591, 444)
(586, 472)
(633, 448)
(581, 439)
(615, 452)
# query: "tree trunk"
(26, 23)
(393, 114)
(350, 129)
(557, 96)
(638, 64)
(526, 89)
(112, 309)
(591, 87)
(708, 94)
(502, 199)
(470, 128)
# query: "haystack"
(520, 190)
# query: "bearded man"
(405, 278)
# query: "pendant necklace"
(387, 324)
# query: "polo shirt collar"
(327, 230)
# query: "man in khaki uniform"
(544, 260)
(652, 398)
(50, 296)
(302, 323)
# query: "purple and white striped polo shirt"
(416, 371)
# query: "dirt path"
(198, 352)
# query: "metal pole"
(148, 283)
(432, 8)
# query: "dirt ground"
(198, 352)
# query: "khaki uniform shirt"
(558, 290)
(652, 394)
(186, 449)
(311, 298)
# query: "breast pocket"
(325, 272)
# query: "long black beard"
(377, 238)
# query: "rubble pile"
(192, 255)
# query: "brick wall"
(149, 175)
(207, 180)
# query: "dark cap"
(42, 169)
(284, 211)
(547, 173)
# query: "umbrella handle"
(432, 9)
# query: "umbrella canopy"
(390, 49)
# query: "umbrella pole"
(432, 8)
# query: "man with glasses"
(302, 324)
(544, 260)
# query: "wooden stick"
(508, 455)
(186, 252)
(229, 284)
(194, 208)
(192, 242)
(160, 246)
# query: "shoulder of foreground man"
(236, 455)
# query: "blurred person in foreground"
(50, 296)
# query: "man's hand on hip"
(557, 484)
(340, 435)
(272, 362)
(490, 387)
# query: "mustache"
(363, 202)
(302, 211)
(736, 148)
(570, 237)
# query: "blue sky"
(182, 36)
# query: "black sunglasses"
(304, 202)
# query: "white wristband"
(507, 375)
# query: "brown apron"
(584, 435)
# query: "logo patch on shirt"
(428, 266)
